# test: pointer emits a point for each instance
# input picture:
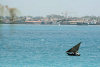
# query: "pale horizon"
(46, 7)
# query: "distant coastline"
(51, 20)
(46, 24)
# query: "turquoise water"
(45, 46)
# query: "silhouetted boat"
(74, 50)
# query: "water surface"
(44, 45)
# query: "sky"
(59, 7)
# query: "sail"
(75, 48)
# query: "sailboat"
(74, 50)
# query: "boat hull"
(73, 54)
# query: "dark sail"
(75, 48)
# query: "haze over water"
(46, 7)
(45, 46)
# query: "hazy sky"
(45, 7)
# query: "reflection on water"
(9, 27)
(0, 30)
(5, 31)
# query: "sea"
(27, 45)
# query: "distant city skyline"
(61, 7)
